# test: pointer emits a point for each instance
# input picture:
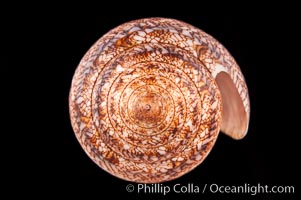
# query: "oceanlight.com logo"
(191, 188)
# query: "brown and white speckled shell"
(146, 100)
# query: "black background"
(265, 47)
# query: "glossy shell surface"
(144, 101)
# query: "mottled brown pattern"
(144, 103)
